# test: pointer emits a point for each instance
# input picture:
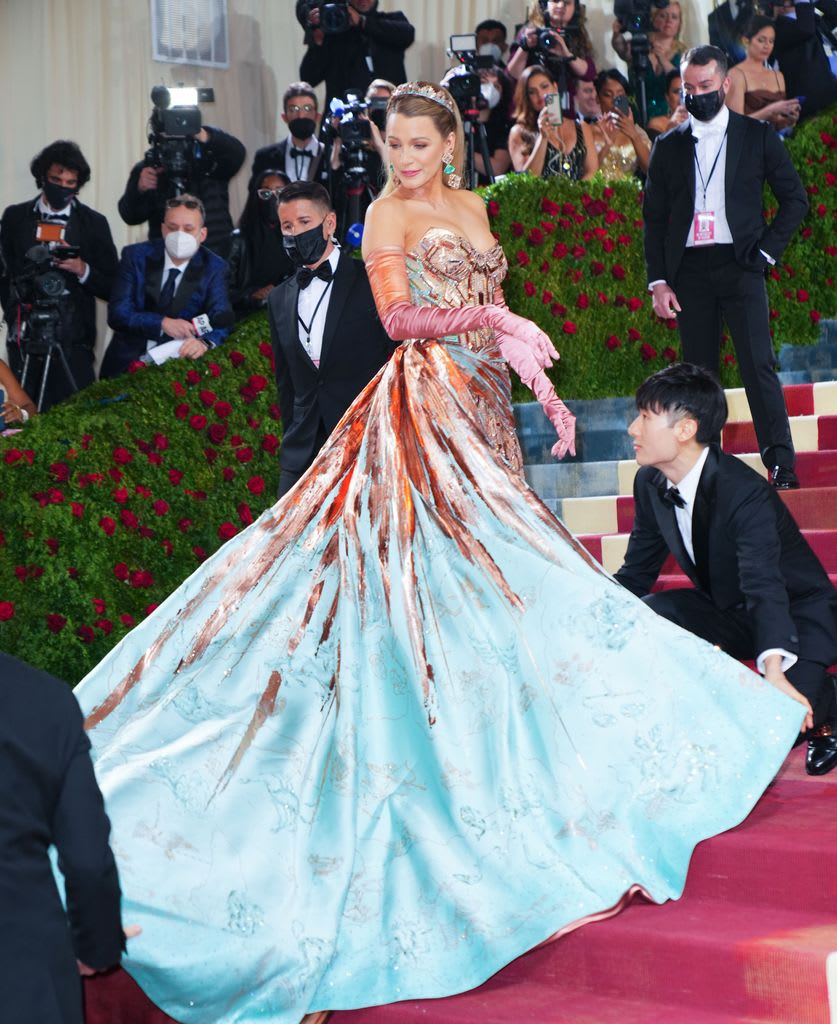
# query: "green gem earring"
(449, 167)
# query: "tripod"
(43, 341)
(475, 136)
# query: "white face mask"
(490, 93)
(180, 245)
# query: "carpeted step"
(815, 399)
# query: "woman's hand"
(783, 112)
(624, 123)
(13, 413)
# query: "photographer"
(665, 48)
(556, 37)
(81, 270)
(300, 156)
(214, 158)
(358, 153)
(363, 43)
(805, 50)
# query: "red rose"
(493, 208)
(21, 572)
(126, 619)
(647, 351)
(801, 295)
(634, 304)
(72, 572)
(602, 298)
(120, 495)
(548, 206)
(624, 239)
(60, 470)
(182, 411)
(143, 492)
(35, 571)
(217, 432)
(7, 611)
(830, 178)
(559, 251)
(105, 625)
(244, 454)
(535, 237)
(608, 245)
(634, 334)
(222, 410)
(228, 473)
(607, 192)
(522, 258)
(611, 216)
(583, 301)
(197, 422)
(227, 530)
(207, 397)
(618, 271)
(108, 525)
(529, 288)
(167, 546)
(210, 455)
(516, 228)
(729, 359)
(129, 519)
(184, 524)
(774, 314)
(556, 309)
(149, 608)
(99, 605)
(270, 443)
(596, 268)
(275, 412)
(160, 507)
(544, 267)
(822, 209)
(547, 297)
(671, 323)
(569, 327)
(199, 553)
(86, 634)
(175, 476)
(613, 342)
(815, 316)
(135, 366)
(577, 275)
(178, 389)
(122, 456)
(161, 442)
(141, 578)
(244, 513)
(192, 377)
(669, 354)
(255, 485)
(55, 623)
(121, 571)
(579, 251)
(235, 357)
(12, 456)
(548, 226)
(806, 232)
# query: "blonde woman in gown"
(403, 729)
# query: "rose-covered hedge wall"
(576, 267)
(111, 499)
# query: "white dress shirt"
(298, 168)
(711, 139)
(688, 491)
(311, 312)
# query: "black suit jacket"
(355, 346)
(748, 552)
(725, 31)
(754, 155)
(88, 230)
(49, 795)
(802, 59)
(272, 158)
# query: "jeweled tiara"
(426, 92)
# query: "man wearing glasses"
(300, 156)
(168, 290)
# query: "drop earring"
(393, 177)
(453, 180)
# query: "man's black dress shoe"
(822, 755)
(784, 479)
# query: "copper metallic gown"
(403, 729)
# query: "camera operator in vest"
(59, 257)
(350, 42)
(184, 155)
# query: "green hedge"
(576, 267)
(113, 498)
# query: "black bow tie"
(301, 152)
(305, 275)
(590, 120)
(671, 496)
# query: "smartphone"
(552, 105)
(621, 104)
(65, 252)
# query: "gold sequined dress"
(402, 729)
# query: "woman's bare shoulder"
(384, 223)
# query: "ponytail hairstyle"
(415, 99)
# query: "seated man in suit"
(328, 342)
(168, 289)
(49, 796)
(760, 592)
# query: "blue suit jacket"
(133, 310)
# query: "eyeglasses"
(306, 108)
(190, 204)
(269, 193)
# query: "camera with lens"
(175, 120)
(334, 16)
(39, 288)
(355, 134)
(464, 82)
(635, 16)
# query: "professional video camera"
(334, 15)
(174, 121)
(465, 86)
(39, 288)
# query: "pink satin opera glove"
(557, 413)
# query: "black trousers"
(712, 288)
(288, 477)
(730, 629)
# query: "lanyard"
(307, 327)
(705, 184)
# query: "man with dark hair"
(216, 158)
(328, 342)
(759, 591)
(81, 250)
(707, 245)
(806, 49)
(300, 156)
(49, 797)
(371, 45)
(492, 40)
(168, 290)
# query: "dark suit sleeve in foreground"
(284, 383)
(647, 548)
(789, 191)
(655, 213)
(80, 830)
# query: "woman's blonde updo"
(407, 100)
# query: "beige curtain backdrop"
(82, 70)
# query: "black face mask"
(302, 128)
(307, 247)
(706, 105)
(57, 195)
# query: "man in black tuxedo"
(49, 795)
(803, 31)
(707, 245)
(726, 24)
(328, 341)
(300, 156)
(759, 591)
(84, 257)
